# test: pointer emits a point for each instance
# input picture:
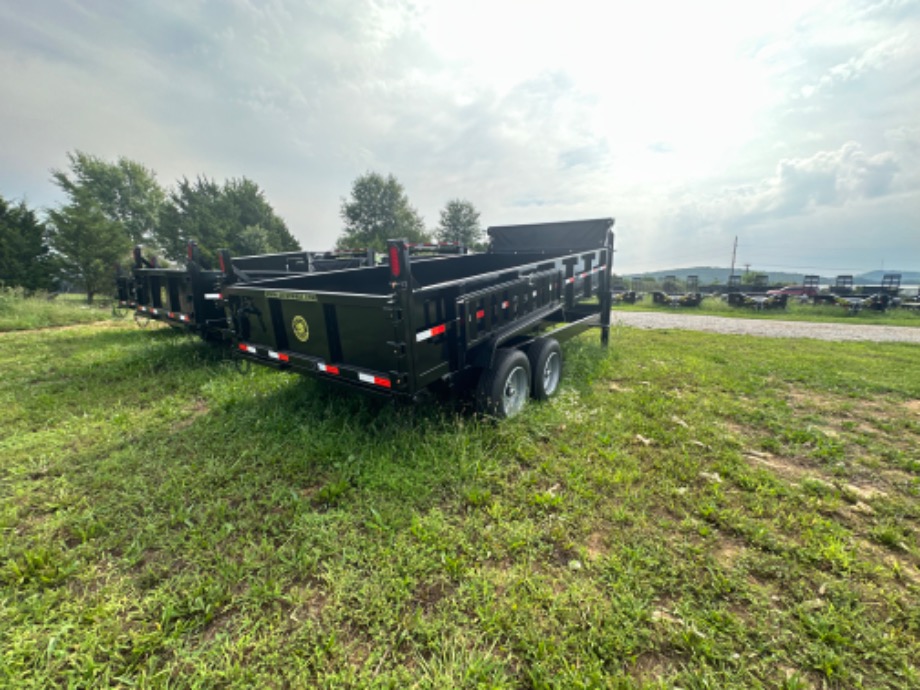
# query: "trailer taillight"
(223, 264)
(189, 251)
(395, 268)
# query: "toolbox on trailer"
(487, 322)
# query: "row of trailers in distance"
(759, 294)
(485, 327)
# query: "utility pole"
(734, 252)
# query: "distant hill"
(710, 275)
(875, 277)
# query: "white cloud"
(686, 122)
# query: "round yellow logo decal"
(301, 329)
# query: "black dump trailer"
(189, 298)
(490, 323)
(185, 298)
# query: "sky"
(793, 126)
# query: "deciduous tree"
(379, 210)
(125, 192)
(460, 223)
(24, 257)
(234, 216)
(89, 242)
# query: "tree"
(460, 223)
(24, 254)
(125, 192)
(378, 211)
(89, 241)
(234, 216)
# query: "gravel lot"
(767, 329)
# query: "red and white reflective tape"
(142, 308)
(247, 348)
(278, 356)
(172, 314)
(584, 274)
(183, 317)
(328, 369)
(481, 314)
(153, 311)
(506, 304)
(212, 295)
(376, 380)
(430, 333)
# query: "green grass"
(18, 313)
(713, 306)
(692, 510)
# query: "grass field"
(692, 510)
(794, 311)
(19, 313)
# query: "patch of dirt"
(595, 546)
(728, 552)
(199, 408)
(651, 667)
(793, 469)
(836, 409)
(787, 673)
(908, 571)
(864, 493)
(897, 477)
(913, 406)
(217, 625)
(429, 594)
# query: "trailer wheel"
(503, 390)
(546, 363)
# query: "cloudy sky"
(794, 126)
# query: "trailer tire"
(504, 388)
(545, 357)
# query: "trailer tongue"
(488, 323)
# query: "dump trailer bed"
(189, 298)
(410, 326)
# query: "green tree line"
(112, 206)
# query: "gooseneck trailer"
(487, 323)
